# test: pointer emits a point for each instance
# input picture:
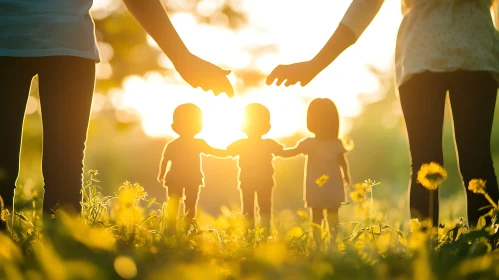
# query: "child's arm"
(345, 168)
(163, 163)
(291, 152)
(300, 148)
(210, 151)
(219, 153)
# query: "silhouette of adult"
(55, 40)
(442, 46)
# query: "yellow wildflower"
(358, 195)
(431, 175)
(322, 180)
(414, 225)
(4, 215)
(477, 186)
(131, 194)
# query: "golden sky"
(299, 29)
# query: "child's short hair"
(323, 119)
(187, 120)
(256, 119)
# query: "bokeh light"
(153, 97)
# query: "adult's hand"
(302, 72)
(198, 72)
(194, 70)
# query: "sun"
(222, 121)
(223, 117)
(154, 100)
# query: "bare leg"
(248, 206)
(316, 219)
(265, 204)
(191, 202)
(332, 220)
(172, 211)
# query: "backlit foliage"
(123, 237)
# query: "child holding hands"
(256, 173)
(326, 165)
(180, 167)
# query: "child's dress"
(324, 186)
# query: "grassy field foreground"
(124, 237)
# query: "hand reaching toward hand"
(201, 73)
(302, 72)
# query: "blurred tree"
(124, 45)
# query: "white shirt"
(34, 28)
(437, 35)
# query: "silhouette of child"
(182, 158)
(256, 172)
(324, 187)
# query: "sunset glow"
(153, 97)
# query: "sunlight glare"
(154, 97)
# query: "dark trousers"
(473, 98)
(66, 87)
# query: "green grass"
(124, 237)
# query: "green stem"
(372, 204)
(431, 207)
(490, 200)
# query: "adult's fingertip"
(269, 81)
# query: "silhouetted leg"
(191, 201)
(423, 104)
(172, 208)
(332, 221)
(317, 219)
(15, 79)
(264, 198)
(473, 100)
(66, 88)
(248, 206)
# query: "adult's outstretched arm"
(197, 72)
(357, 18)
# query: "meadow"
(124, 237)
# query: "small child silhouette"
(182, 157)
(256, 172)
(324, 188)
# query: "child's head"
(187, 120)
(256, 120)
(323, 119)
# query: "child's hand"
(160, 179)
(302, 72)
(198, 72)
(347, 180)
